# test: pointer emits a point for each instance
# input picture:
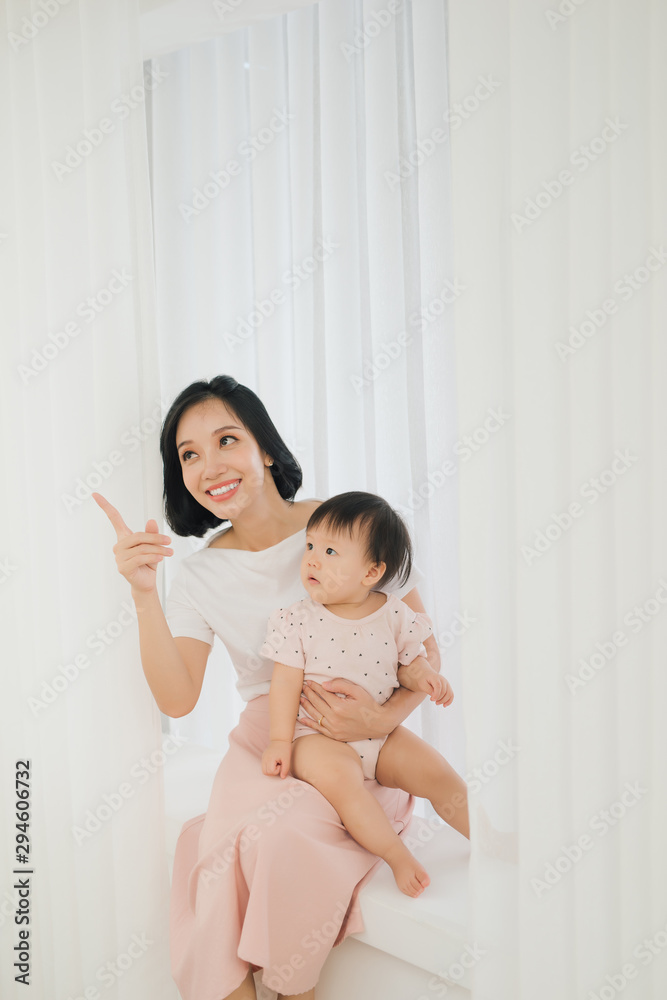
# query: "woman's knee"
(286, 807)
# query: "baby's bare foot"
(411, 877)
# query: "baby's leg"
(409, 763)
(334, 769)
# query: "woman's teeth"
(224, 489)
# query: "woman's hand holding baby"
(276, 758)
(355, 716)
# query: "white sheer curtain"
(80, 405)
(559, 160)
(293, 255)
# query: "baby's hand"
(438, 688)
(276, 758)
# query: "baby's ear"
(376, 572)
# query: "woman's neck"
(265, 525)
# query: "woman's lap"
(268, 877)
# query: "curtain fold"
(558, 154)
(293, 254)
(80, 409)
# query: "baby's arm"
(286, 685)
(420, 676)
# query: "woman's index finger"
(114, 515)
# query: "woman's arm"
(174, 668)
(358, 716)
(403, 702)
(286, 684)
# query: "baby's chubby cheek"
(319, 594)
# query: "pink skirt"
(268, 878)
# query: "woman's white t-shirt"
(232, 592)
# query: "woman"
(268, 877)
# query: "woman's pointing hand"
(137, 552)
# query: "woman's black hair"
(387, 538)
(183, 513)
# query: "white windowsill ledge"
(431, 931)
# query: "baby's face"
(334, 566)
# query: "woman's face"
(222, 465)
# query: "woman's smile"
(223, 491)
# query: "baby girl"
(349, 628)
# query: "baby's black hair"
(387, 537)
